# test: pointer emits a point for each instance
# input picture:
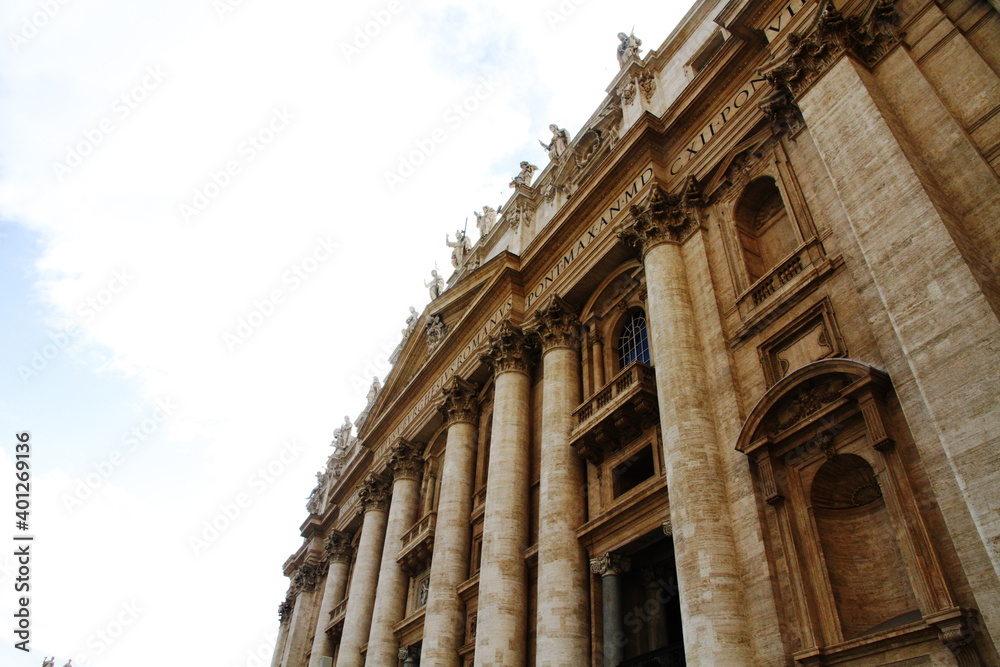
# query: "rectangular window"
(633, 471)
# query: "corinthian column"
(503, 599)
(563, 583)
(406, 464)
(444, 618)
(712, 609)
(337, 552)
(304, 588)
(611, 566)
(374, 495)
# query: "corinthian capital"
(374, 494)
(305, 578)
(509, 350)
(556, 325)
(663, 217)
(337, 547)
(610, 563)
(405, 460)
(461, 402)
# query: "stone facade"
(717, 387)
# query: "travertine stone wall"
(932, 322)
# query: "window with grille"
(633, 344)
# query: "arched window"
(633, 343)
(764, 228)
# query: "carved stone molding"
(461, 402)
(406, 461)
(305, 578)
(556, 325)
(509, 350)
(610, 563)
(668, 527)
(337, 547)
(374, 494)
(663, 217)
(627, 92)
(435, 330)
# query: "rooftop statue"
(560, 141)
(460, 248)
(49, 662)
(486, 220)
(524, 178)
(628, 49)
(374, 390)
(342, 435)
(411, 322)
(436, 284)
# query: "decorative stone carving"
(285, 608)
(809, 400)
(509, 350)
(305, 578)
(461, 247)
(461, 401)
(520, 213)
(373, 391)
(408, 654)
(663, 217)
(628, 48)
(556, 148)
(486, 220)
(406, 461)
(556, 325)
(318, 495)
(337, 547)
(647, 84)
(436, 331)
(610, 564)
(550, 191)
(436, 285)
(668, 527)
(627, 92)
(524, 178)
(587, 147)
(374, 494)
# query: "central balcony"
(616, 414)
(418, 545)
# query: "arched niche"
(856, 564)
(765, 230)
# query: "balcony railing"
(671, 656)
(417, 545)
(616, 413)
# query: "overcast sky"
(213, 218)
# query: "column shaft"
(614, 630)
(563, 626)
(333, 594)
(390, 599)
(444, 618)
(502, 637)
(361, 599)
(715, 630)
